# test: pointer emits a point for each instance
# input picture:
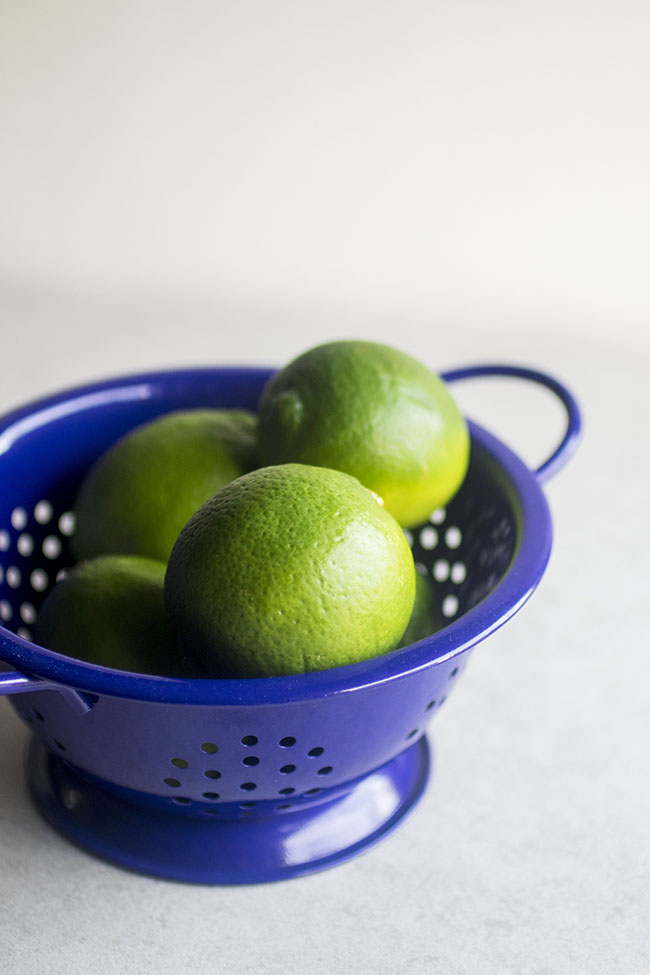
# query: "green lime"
(426, 617)
(373, 412)
(290, 569)
(138, 495)
(110, 611)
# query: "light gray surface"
(529, 852)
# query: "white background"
(483, 162)
(233, 182)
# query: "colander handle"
(569, 441)
(14, 682)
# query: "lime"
(110, 611)
(290, 569)
(426, 617)
(373, 412)
(138, 495)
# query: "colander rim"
(518, 583)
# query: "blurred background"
(211, 182)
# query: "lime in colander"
(241, 781)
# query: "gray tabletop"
(529, 851)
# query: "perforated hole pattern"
(306, 757)
(34, 555)
(464, 551)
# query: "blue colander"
(242, 781)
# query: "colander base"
(206, 849)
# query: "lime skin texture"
(426, 618)
(289, 569)
(138, 495)
(110, 611)
(374, 412)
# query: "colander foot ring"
(206, 849)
